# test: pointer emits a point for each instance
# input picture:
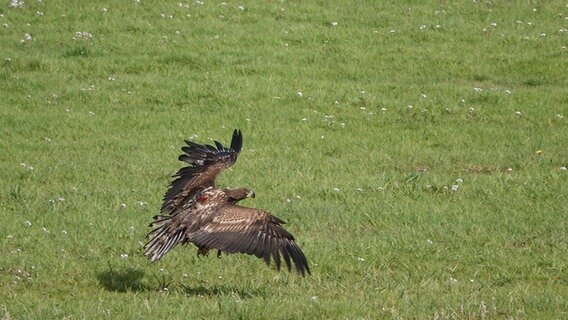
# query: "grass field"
(417, 150)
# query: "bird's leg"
(219, 254)
(202, 251)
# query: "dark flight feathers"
(206, 162)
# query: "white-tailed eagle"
(196, 211)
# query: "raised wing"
(237, 229)
(205, 163)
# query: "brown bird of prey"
(196, 211)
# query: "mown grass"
(360, 120)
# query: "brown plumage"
(195, 211)
(205, 163)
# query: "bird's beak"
(250, 194)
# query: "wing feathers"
(163, 238)
(205, 163)
(238, 229)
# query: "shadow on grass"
(221, 290)
(122, 281)
(130, 280)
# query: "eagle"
(196, 211)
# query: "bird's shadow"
(128, 280)
(222, 290)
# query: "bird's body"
(196, 211)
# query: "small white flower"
(16, 4)
(563, 168)
(455, 187)
(44, 229)
(288, 200)
(91, 113)
(477, 89)
(510, 169)
(360, 189)
(314, 298)
(334, 23)
(336, 189)
(27, 223)
(299, 94)
(518, 113)
(430, 242)
(123, 256)
(64, 231)
(361, 259)
(123, 205)
(453, 281)
(27, 37)
(304, 119)
(459, 180)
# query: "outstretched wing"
(237, 229)
(205, 163)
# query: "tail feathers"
(162, 238)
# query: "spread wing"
(205, 163)
(236, 229)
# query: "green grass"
(398, 101)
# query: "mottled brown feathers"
(196, 211)
(205, 164)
